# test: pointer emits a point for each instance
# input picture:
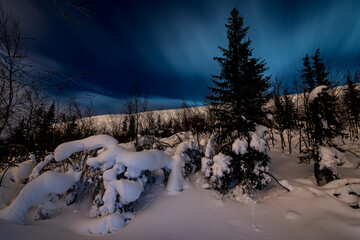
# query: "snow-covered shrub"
(329, 158)
(220, 172)
(245, 164)
(112, 174)
(251, 169)
(46, 208)
(322, 127)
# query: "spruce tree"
(319, 70)
(322, 120)
(240, 91)
(307, 75)
(237, 96)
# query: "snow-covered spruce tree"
(236, 99)
(322, 124)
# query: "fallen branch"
(276, 180)
(344, 150)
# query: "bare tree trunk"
(289, 139)
(282, 141)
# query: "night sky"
(167, 47)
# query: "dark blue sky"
(167, 47)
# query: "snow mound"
(36, 191)
(316, 91)
(21, 171)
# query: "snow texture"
(177, 182)
(239, 194)
(36, 191)
(146, 160)
(36, 170)
(329, 159)
(65, 150)
(107, 224)
(129, 191)
(240, 146)
(210, 146)
(221, 165)
(206, 164)
(258, 139)
(21, 171)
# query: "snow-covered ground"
(306, 212)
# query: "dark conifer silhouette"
(319, 70)
(307, 75)
(237, 98)
(240, 90)
(322, 120)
